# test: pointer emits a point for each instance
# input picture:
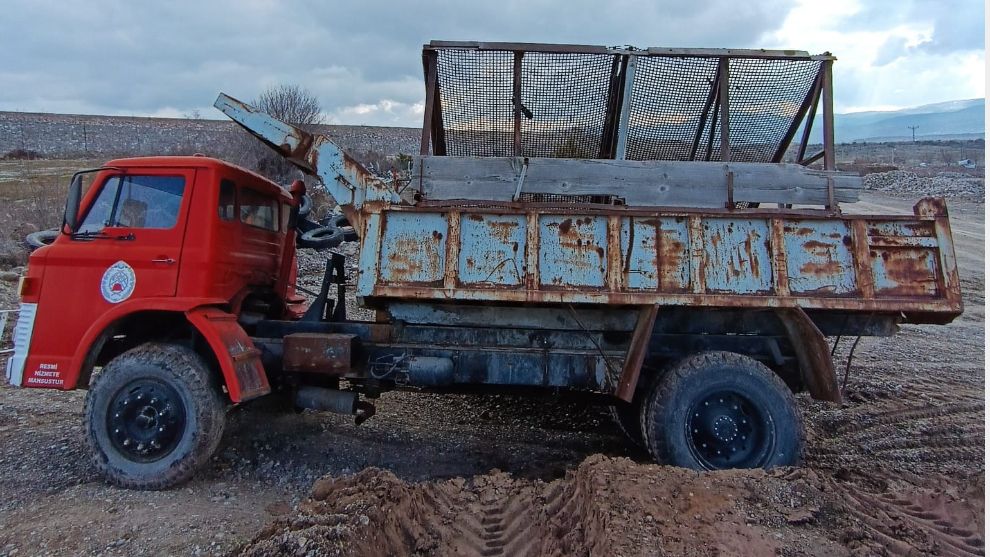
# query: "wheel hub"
(725, 430)
(146, 420)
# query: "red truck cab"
(161, 243)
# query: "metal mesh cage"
(564, 104)
(765, 96)
(476, 95)
(571, 102)
(669, 100)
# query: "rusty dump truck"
(614, 222)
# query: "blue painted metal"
(491, 250)
(601, 254)
(819, 257)
(616, 256)
(350, 184)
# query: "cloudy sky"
(362, 58)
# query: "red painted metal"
(216, 262)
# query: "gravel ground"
(943, 184)
(898, 468)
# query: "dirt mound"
(614, 506)
(605, 506)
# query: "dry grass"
(32, 197)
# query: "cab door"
(128, 247)
(129, 244)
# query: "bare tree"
(291, 104)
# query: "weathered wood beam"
(638, 183)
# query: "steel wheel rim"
(146, 420)
(725, 429)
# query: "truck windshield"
(135, 202)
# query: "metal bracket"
(522, 178)
(729, 179)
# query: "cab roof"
(200, 161)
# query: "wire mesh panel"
(564, 104)
(669, 98)
(571, 98)
(765, 96)
(476, 96)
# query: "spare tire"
(305, 225)
(324, 237)
(41, 238)
(305, 206)
(341, 222)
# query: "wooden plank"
(639, 183)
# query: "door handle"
(165, 260)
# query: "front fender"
(240, 361)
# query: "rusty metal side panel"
(639, 242)
(413, 248)
(737, 256)
(492, 250)
(819, 257)
(904, 272)
(573, 250)
(534, 253)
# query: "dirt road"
(897, 468)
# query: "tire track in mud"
(910, 520)
(944, 438)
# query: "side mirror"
(71, 217)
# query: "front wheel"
(720, 410)
(153, 417)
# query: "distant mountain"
(958, 119)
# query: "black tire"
(341, 222)
(154, 416)
(718, 410)
(41, 238)
(324, 237)
(305, 206)
(305, 225)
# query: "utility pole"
(912, 132)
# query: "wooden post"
(430, 61)
(828, 120)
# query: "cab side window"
(136, 202)
(226, 204)
(258, 210)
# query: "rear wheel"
(153, 417)
(719, 410)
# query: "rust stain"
(817, 245)
(565, 227)
(821, 269)
(476, 217)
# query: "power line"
(912, 132)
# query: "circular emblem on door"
(118, 283)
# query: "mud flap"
(814, 359)
(638, 347)
(240, 361)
